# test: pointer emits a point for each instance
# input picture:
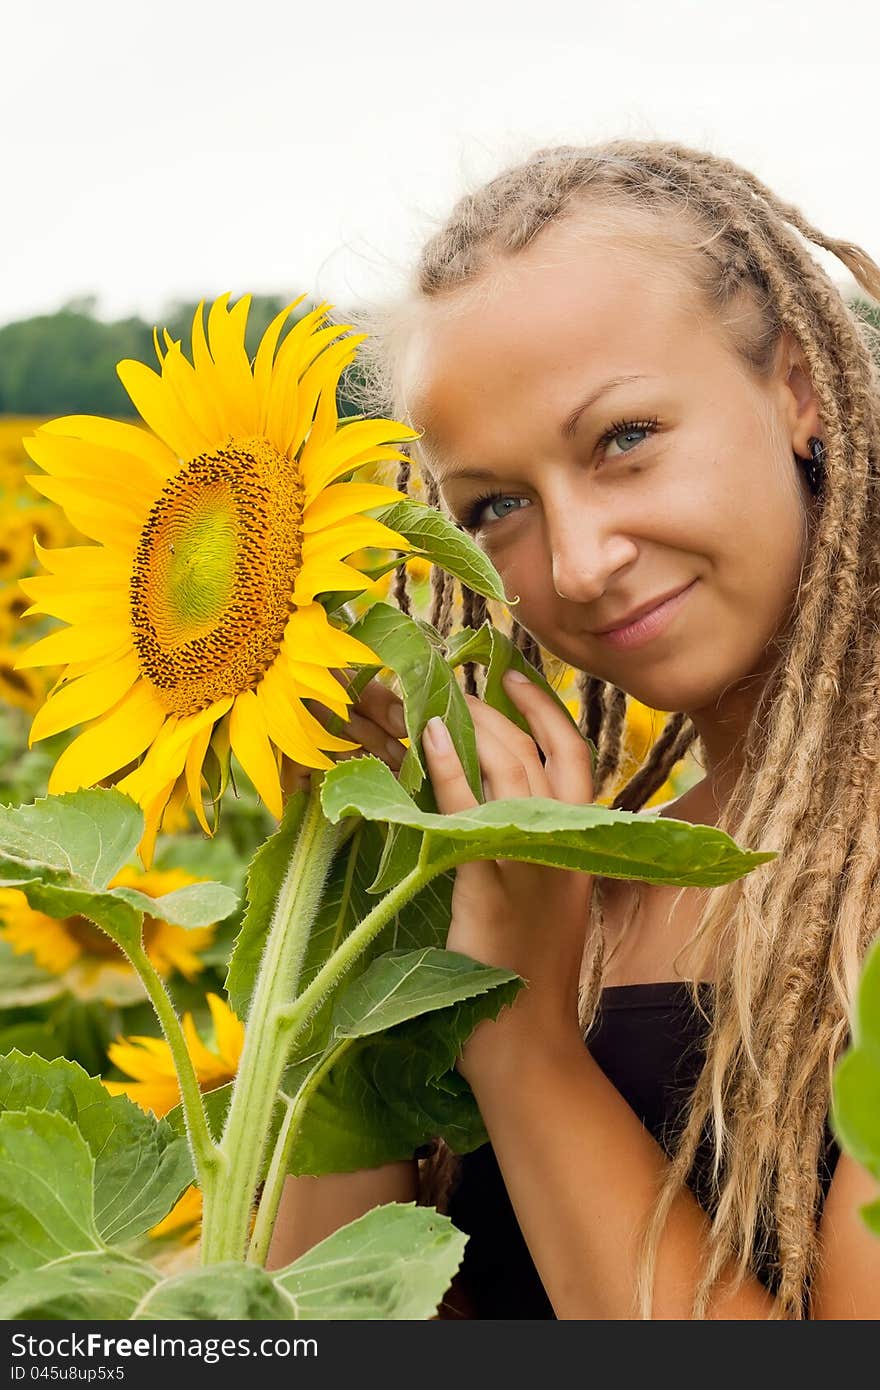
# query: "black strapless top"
(649, 1041)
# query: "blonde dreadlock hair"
(792, 934)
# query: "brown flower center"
(214, 573)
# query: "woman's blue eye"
(631, 433)
(630, 438)
(473, 520)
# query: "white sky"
(156, 149)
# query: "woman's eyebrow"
(569, 424)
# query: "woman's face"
(606, 447)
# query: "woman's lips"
(649, 625)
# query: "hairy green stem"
(229, 1203)
(290, 1127)
(297, 1014)
(206, 1159)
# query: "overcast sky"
(156, 149)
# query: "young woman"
(654, 411)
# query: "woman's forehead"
(571, 314)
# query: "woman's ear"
(798, 399)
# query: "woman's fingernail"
(438, 735)
(397, 719)
(516, 676)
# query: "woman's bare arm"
(312, 1208)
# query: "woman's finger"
(509, 767)
(380, 703)
(567, 753)
(451, 789)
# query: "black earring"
(814, 467)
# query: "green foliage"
(855, 1113)
(395, 1038)
(393, 1263)
(62, 851)
(541, 830)
(140, 1166)
(65, 363)
(80, 1175)
(446, 545)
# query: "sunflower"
(24, 689)
(15, 545)
(148, 1060)
(195, 621)
(92, 965)
(13, 603)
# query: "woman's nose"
(585, 554)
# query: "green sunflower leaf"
(86, 836)
(389, 1092)
(394, 1263)
(63, 851)
(442, 542)
(98, 1284)
(414, 651)
(392, 1044)
(592, 838)
(217, 1293)
(46, 1191)
(141, 1166)
(265, 877)
(195, 905)
(493, 649)
(401, 985)
(855, 1109)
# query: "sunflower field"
(179, 924)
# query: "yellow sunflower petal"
(322, 685)
(226, 339)
(117, 739)
(166, 758)
(74, 643)
(154, 810)
(250, 744)
(141, 1059)
(209, 1067)
(84, 699)
(157, 405)
(109, 520)
(326, 576)
(322, 375)
(228, 1031)
(75, 669)
(115, 434)
(186, 1213)
(194, 759)
(340, 502)
(353, 444)
(58, 599)
(193, 394)
(281, 711)
(293, 356)
(90, 566)
(310, 634)
(265, 358)
(78, 458)
(156, 1096)
(355, 533)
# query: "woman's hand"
(528, 917)
(375, 721)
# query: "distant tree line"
(65, 363)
